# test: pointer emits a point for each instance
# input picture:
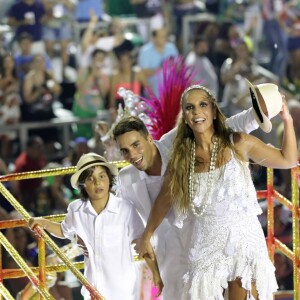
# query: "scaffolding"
(37, 275)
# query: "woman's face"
(242, 51)
(98, 60)
(126, 59)
(8, 62)
(198, 111)
(38, 62)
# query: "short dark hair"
(33, 140)
(96, 51)
(128, 124)
(200, 38)
(25, 36)
(88, 172)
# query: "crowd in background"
(48, 71)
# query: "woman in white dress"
(210, 188)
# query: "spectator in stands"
(104, 39)
(88, 41)
(291, 81)
(92, 92)
(60, 195)
(283, 229)
(58, 27)
(24, 59)
(210, 31)
(9, 103)
(233, 71)
(147, 11)
(10, 185)
(24, 242)
(128, 76)
(152, 55)
(65, 73)
(28, 16)
(294, 108)
(32, 159)
(5, 216)
(181, 9)
(39, 91)
(275, 34)
(283, 272)
(78, 147)
(228, 36)
(5, 6)
(205, 70)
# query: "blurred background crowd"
(62, 63)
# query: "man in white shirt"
(206, 73)
(141, 182)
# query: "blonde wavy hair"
(181, 153)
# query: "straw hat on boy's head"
(89, 160)
(267, 103)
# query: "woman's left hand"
(284, 113)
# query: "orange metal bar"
(270, 237)
(296, 237)
(284, 249)
(262, 194)
(20, 261)
(21, 222)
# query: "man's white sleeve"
(243, 122)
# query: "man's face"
(201, 48)
(136, 149)
(161, 38)
(25, 45)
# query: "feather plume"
(164, 109)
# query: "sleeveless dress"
(227, 241)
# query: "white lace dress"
(227, 241)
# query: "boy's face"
(136, 149)
(97, 184)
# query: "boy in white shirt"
(107, 225)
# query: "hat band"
(255, 106)
(90, 163)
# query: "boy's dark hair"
(128, 124)
(87, 173)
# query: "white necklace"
(198, 212)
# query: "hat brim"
(261, 119)
(74, 178)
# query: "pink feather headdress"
(164, 108)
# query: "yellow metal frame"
(40, 281)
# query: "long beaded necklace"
(198, 212)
